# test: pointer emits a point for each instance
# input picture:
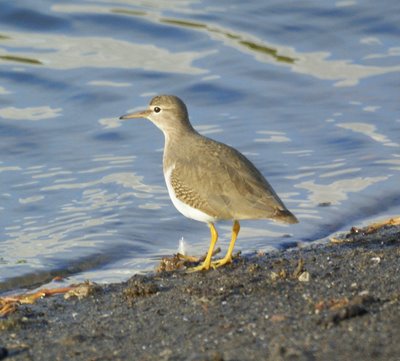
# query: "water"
(309, 92)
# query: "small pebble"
(304, 277)
(274, 276)
(376, 260)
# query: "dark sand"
(254, 309)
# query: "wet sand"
(337, 301)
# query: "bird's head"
(167, 112)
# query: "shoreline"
(335, 301)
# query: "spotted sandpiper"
(207, 180)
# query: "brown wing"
(227, 185)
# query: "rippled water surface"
(310, 93)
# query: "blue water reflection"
(308, 92)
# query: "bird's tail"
(285, 216)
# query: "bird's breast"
(183, 201)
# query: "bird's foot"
(221, 262)
(205, 266)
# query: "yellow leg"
(207, 262)
(228, 256)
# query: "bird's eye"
(157, 109)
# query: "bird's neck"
(176, 135)
(176, 140)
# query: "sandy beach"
(336, 301)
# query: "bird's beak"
(139, 114)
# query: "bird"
(209, 181)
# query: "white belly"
(184, 208)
